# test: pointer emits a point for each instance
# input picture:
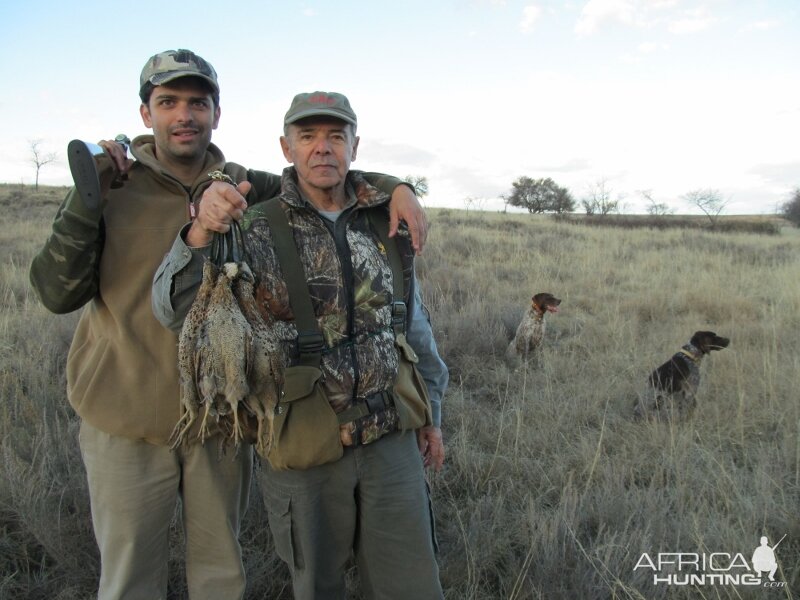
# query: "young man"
(373, 499)
(122, 375)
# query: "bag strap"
(378, 219)
(309, 338)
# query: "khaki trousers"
(374, 502)
(134, 487)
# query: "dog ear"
(706, 341)
(700, 340)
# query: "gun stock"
(82, 165)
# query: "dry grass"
(550, 490)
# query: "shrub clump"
(736, 225)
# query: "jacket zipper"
(190, 193)
(192, 209)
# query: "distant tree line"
(544, 195)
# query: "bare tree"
(474, 202)
(420, 183)
(39, 158)
(709, 201)
(654, 208)
(599, 201)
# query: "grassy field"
(550, 489)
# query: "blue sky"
(668, 96)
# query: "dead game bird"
(228, 355)
(265, 376)
(193, 330)
(229, 351)
(216, 347)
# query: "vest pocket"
(410, 392)
(305, 428)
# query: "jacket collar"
(359, 192)
(143, 149)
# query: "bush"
(732, 225)
(791, 210)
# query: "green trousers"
(373, 502)
(134, 488)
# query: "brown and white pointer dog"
(672, 387)
(531, 329)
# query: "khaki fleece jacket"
(122, 375)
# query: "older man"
(369, 497)
(122, 372)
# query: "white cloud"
(382, 151)
(645, 14)
(660, 4)
(642, 51)
(572, 165)
(647, 47)
(785, 174)
(310, 12)
(530, 14)
(692, 21)
(762, 25)
(595, 12)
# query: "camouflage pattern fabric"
(171, 64)
(353, 313)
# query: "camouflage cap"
(327, 104)
(172, 64)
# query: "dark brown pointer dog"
(672, 387)
(531, 330)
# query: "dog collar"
(690, 351)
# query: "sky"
(657, 97)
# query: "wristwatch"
(123, 140)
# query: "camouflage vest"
(350, 287)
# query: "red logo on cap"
(322, 99)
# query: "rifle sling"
(309, 338)
(399, 310)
